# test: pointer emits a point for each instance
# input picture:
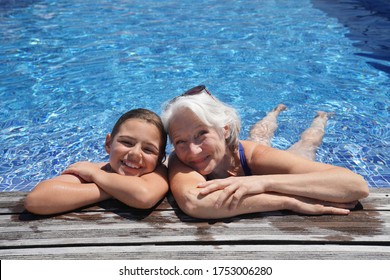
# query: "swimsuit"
(244, 164)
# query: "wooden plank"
(376, 221)
(204, 252)
(112, 230)
(72, 229)
(12, 202)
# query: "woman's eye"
(201, 133)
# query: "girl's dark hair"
(148, 116)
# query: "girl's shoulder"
(105, 166)
(162, 167)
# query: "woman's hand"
(233, 187)
(310, 206)
(236, 188)
(83, 169)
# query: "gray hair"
(211, 111)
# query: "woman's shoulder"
(174, 160)
(257, 155)
(251, 147)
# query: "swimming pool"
(69, 69)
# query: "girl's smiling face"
(135, 149)
(197, 145)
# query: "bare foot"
(280, 108)
(324, 115)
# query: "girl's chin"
(127, 171)
(131, 172)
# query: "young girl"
(134, 174)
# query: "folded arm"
(61, 194)
(291, 174)
(284, 173)
(139, 192)
(83, 185)
(184, 184)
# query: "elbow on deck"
(195, 210)
(362, 188)
(144, 200)
(200, 207)
(143, 204)
(34, 205)
(355, 189)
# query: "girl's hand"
(83, 169)
(233, 187)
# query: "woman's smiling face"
(135, 149)
(197, 145)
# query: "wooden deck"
(111, 230)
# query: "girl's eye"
(151, 151)
(128, 143)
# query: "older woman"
(215, 175)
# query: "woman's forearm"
(334, 185)
(204, 206)
(198, 206)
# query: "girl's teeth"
(128, 164)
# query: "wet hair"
(149, 117)
(211, 111)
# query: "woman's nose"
(194, 148)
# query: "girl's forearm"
(131, 190)
(54, 196)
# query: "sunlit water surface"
(69, 69)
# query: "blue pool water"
(69, 69)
